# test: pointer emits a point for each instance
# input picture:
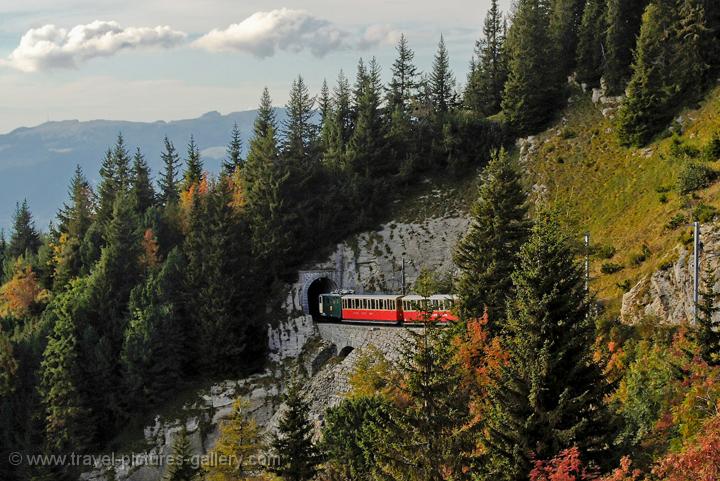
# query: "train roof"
(372, 296)
(438, 297)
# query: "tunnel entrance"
(321, 285)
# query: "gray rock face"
(667, 295)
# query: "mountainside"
(629, 199)
(36, 163)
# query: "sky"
(147, 60)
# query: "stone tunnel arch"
(315, 283)
(321, 285)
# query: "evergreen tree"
(194, 165)
(265, 119)
(338, 129)
(708, 328)
(239, 440)
(152, 352)
(3, 255)
(670, 68)
(68, 417)
(24, 239)
(366, 150)
(142, 194)
(299, 133)
(114, 181)
(550, 394)
(432, 436)
(264, 178)
(565, 20)
(442, 80)
(403, 83)
(183, 467)
(234, 159)
(168, 183)
(488, 71)
(351, 434)
(487, 255)
(117, 272)
(591, 40)
(623, 25)
(74, 221)
(222, 282)
(531, 91)
(299, 457)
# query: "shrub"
(610, 268)
(663, 198)
(661, 189)
(676, 222)
(704, 213)
(695, 176)
(712, 149)
(680, 149)
(604, 251)
(624, 285)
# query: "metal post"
(696, 268)
(402, 276)
(587, 262)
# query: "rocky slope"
(667, 294)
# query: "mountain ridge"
(37, 162)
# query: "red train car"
(376, 308)
(387, 309)
(415, 308)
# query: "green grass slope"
(625, 197)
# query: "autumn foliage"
(18, 295)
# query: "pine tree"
(565, 22)
(68, 417)
(114, 181)
(142, 194)
(591, 40)
(183, 466)
(239, 440)
(351, 433)
(670, 68)
(265, 119)
(194, 165)
(299, 133)
(234, 159)
(224, 328)
(152, 351)
(442, 80)
(365, 149)
(531, 90)
(403, 83)
(339, 127)
(299, 457)
(168, 183)
(487, 255)
(623, 25)
(550, 394)
(488, 71)
(264, 178)
(429, 439)
(24, 239)
(708, 328)
(74, 221)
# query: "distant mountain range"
(37, 163)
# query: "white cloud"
(263, 33)
(375, 35)
(49, 46)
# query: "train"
(387, 308)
